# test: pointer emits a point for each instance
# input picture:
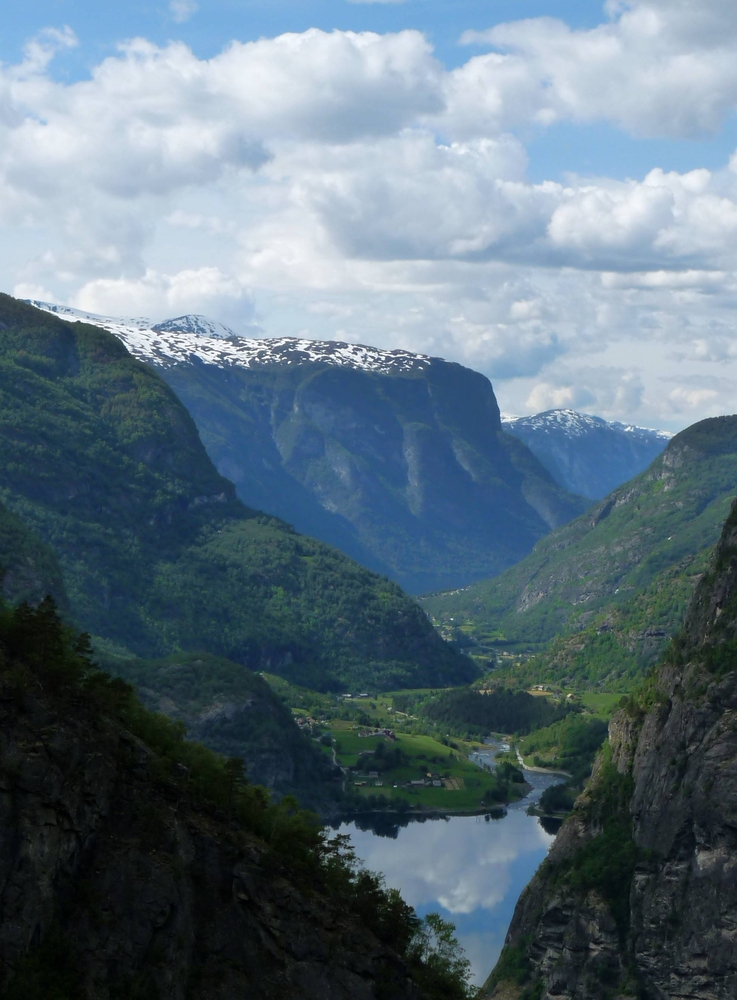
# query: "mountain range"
(586, 454)
(598, 599)
(103, 465)
(398, 459)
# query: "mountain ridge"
(104, 464)
(638, 894)
(398, 459)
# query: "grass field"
(415, 754)
(603, 705)
(420, 758)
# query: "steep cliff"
(135, 869)
(398, 459)
(235, 712)
(407, 469)
(639, 893)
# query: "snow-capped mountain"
(188, 337)
(587, 454)
(396, 458)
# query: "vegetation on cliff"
(45, 662)
(407, 470)
(103, 463)
(637, 893)
(598, 599)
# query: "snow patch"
(575, 424)
(195, 337)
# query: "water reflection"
(469, 868)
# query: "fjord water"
(470, 869)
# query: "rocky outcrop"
(112, 888)
(639, 893)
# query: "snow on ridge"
(195, 337)
(577, 424)
(200, 326)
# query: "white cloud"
(182, 10)
(159, 295)
(606, 391)
(348, 186)
(657, 68)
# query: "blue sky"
(542, 190)
(212, 25)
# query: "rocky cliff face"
(111, 888)
(406, 469)
(639, 893)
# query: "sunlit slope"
(104, 464)
(598, 598)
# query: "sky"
(545, 191)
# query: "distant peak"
(576, 424)
(199, 326)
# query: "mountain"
(235, 712)
(585, 454)
(638, 895)
(398, 459)
(612, 586)
(137, 865)
(103, 463)
(29, 570)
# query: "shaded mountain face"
(127, 875)
(585, 454)
(638, 895)
(29, 569)
(235, 712)
(612, 586)
(398, 459)
(104, 464)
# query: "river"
(470, 869)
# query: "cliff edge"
(638, 896)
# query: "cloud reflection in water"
(469, 870)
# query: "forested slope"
(609, 589)
(103, 463)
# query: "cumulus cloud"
(349, 186)
(607, 391)
(656, 68)
(158, 294)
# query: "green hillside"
(29, 570)
(103, 463)
(597, 599)
(235, 712)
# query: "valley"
(594, 605)
(255, 668)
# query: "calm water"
(469, 869)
